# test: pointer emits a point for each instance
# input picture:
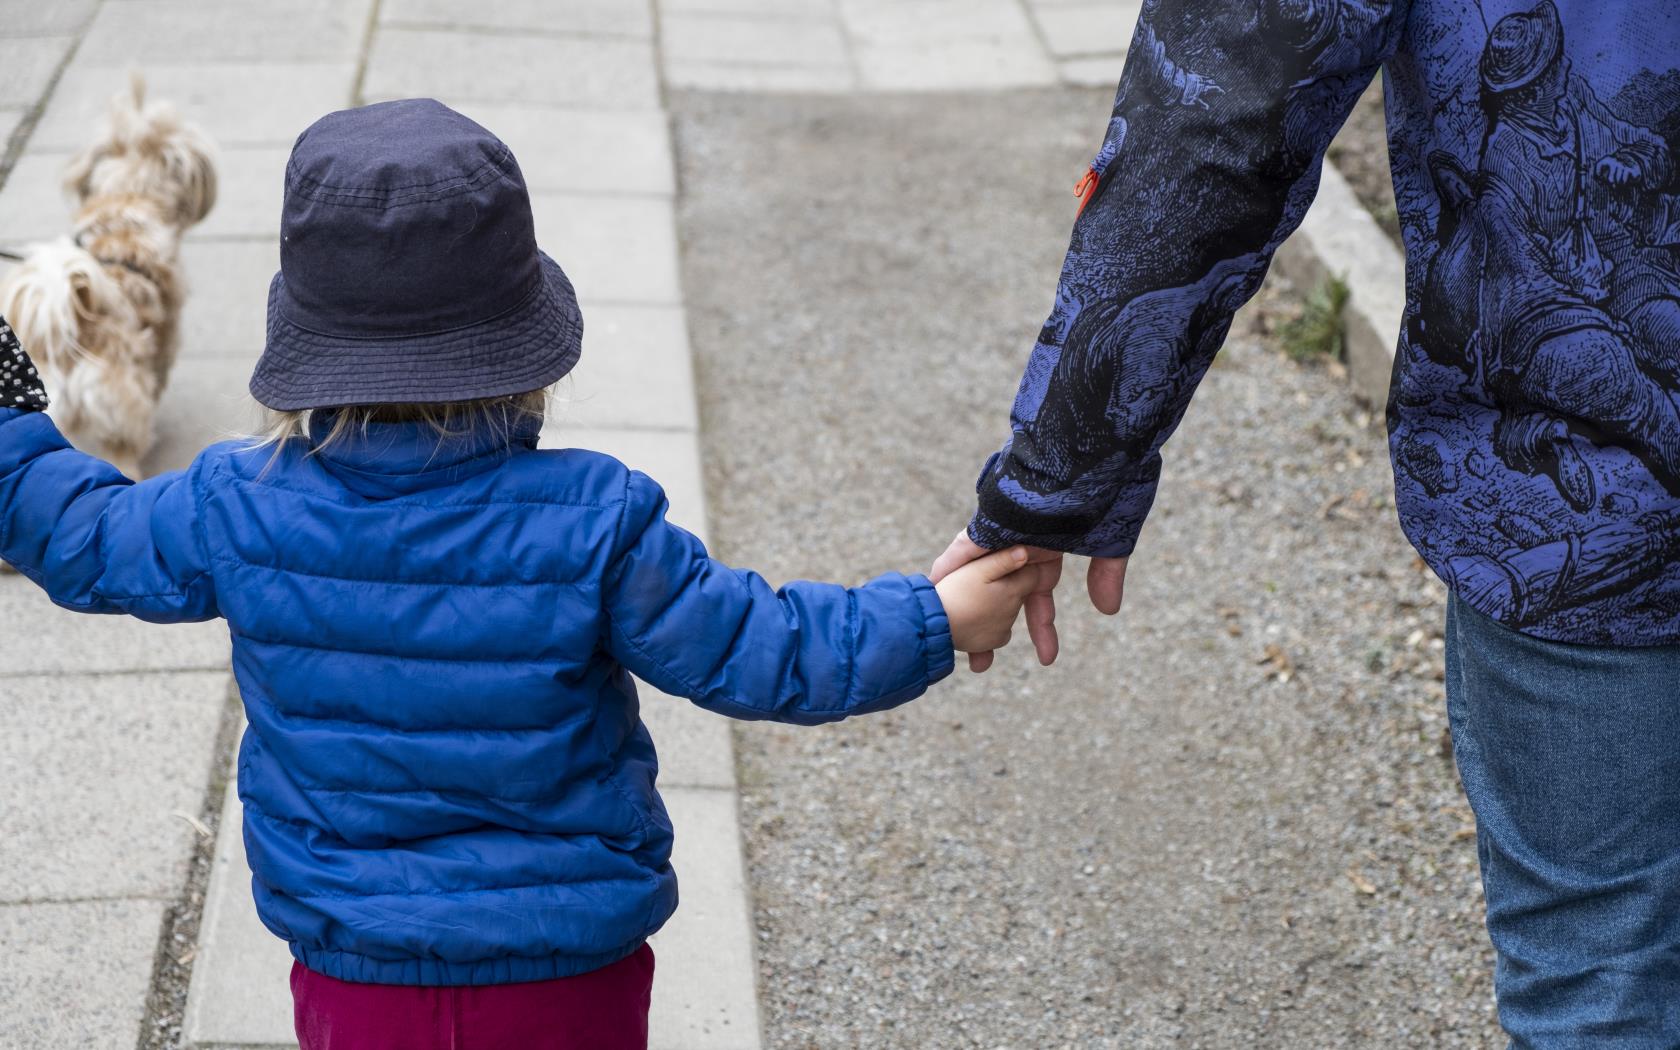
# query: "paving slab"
(1097, 71)
(276, 31)
(1089, 28)
(752, 39)
(27, 65)
(958, 65)
(693, 744)
(934, 45)
(569, 150)
(251, 183)
(76, 974)
(583, 72)
(62, 642)
(207, 400)
(610, 17)
(670, 457)
(237, 103)
(635, 371)
(765, 8)
(239, 994)
(98, 767)
(759, 78)
(33, 206)
(709, 999)
(226, 313)
(10, 118)
(615, 249)
(936, 22)
(43, 18)
(945, 44)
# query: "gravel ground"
(1227, 818)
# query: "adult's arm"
(1213, 153)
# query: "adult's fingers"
(999, 564)
(1041, 625)
(961, 551)
(1106, 582)
(979, 662)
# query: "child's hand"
(983, 598)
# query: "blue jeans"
(1570, 755)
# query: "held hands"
(983, 598)
(1105, 581)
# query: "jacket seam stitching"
(545, 727)
(851, 651)
(248, 563)
(411, 894)
(327, 789)
(680, 680)
(365, 502)
(317, 647)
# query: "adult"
(1532, 413)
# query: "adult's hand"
(1105, 581)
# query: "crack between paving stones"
(1030, 12)
(360, 84)
(849, 42)
(519, 32)
(12, 676)
(32, 117)
(177, 947)
(106, 898)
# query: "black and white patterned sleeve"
(20, 383)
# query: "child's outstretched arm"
(92, 539)
(809, 653)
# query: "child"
(449, 797)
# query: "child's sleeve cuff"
(936, 630)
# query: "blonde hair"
(447, 419)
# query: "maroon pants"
(605, 1009)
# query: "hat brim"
(525, 349)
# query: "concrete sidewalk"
(99, 827)
(115, 745)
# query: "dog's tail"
(50, 296)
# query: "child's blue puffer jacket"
(445, 779)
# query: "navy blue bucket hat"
(409, 268)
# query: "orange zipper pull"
(1087, 188)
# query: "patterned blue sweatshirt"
(1533, 416)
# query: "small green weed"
(1318, 331)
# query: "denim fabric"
(1570, 755)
